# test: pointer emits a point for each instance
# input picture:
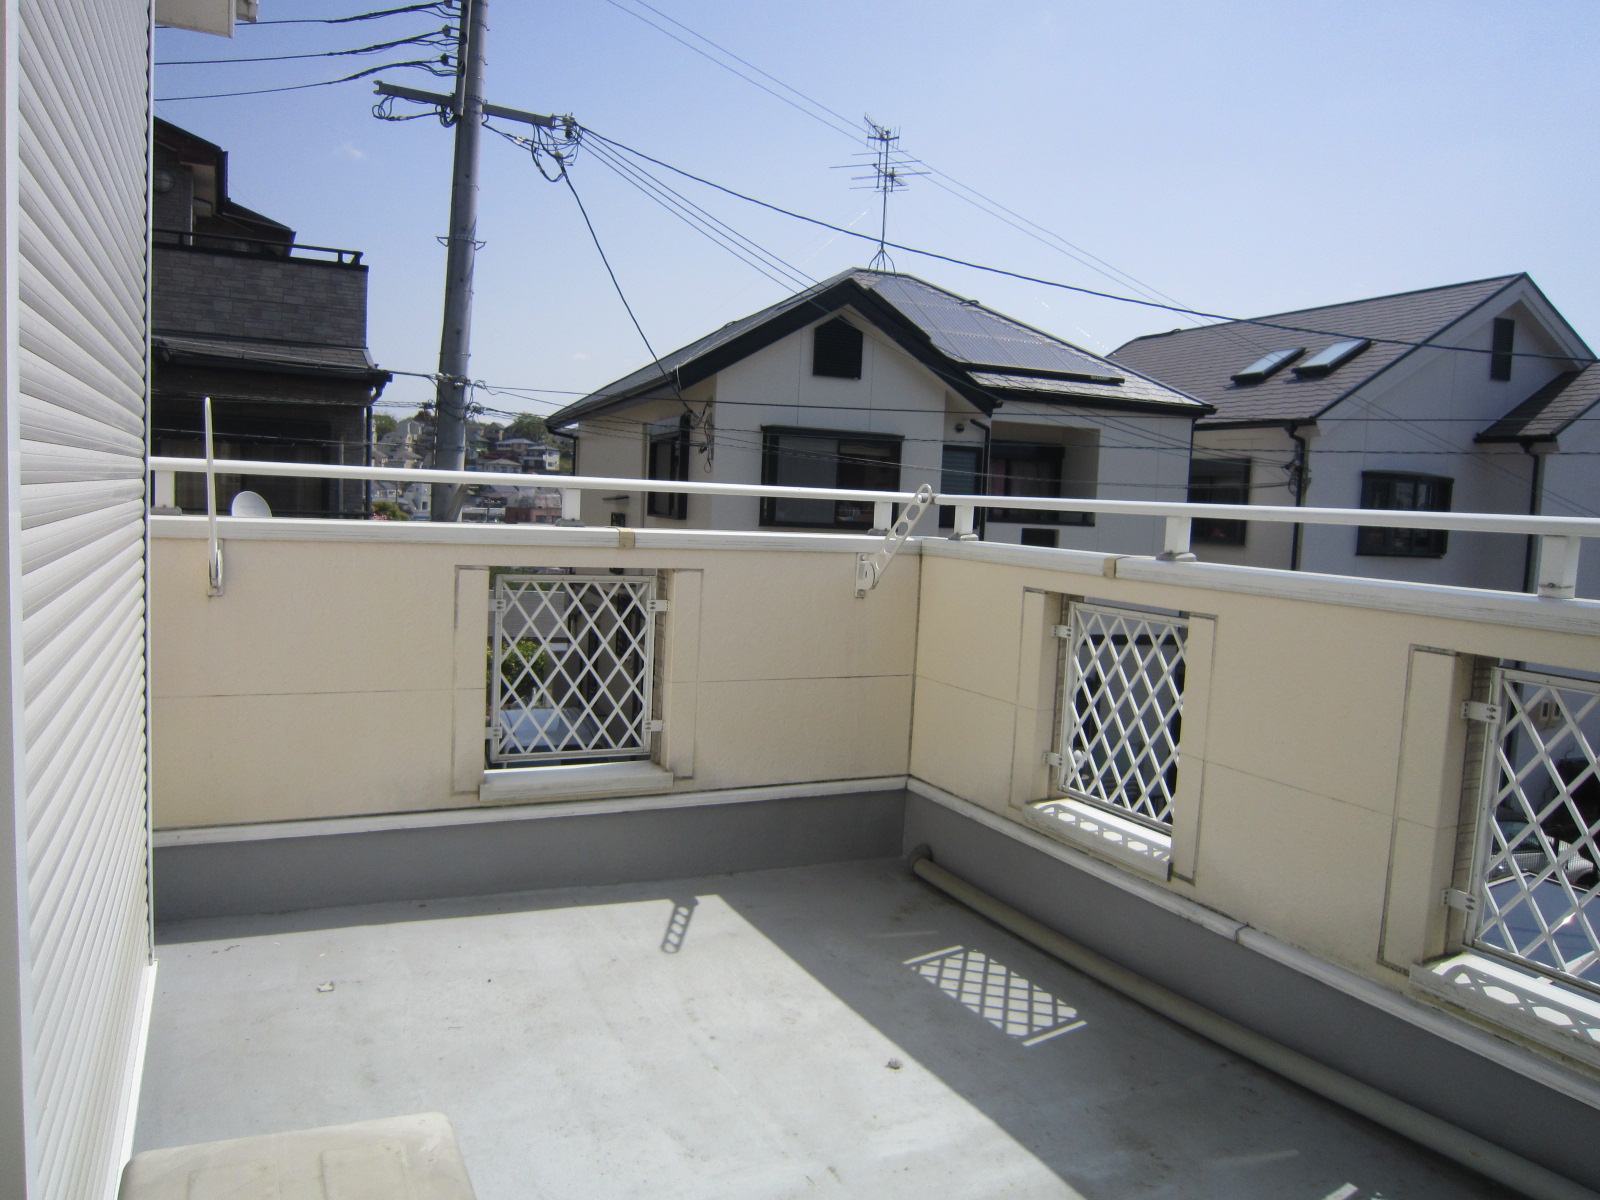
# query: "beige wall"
(344, 677)
(1321, 771)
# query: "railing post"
(882, 518)
(1558, 566)
(571, 507)
(166, 490)
(963, 532)
(1175, 543)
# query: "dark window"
(1265, 366)
(836, 350)
(1041, 537)
(824, 458)
(669, 460)
(1411, 493)
(1505, 338)
(961, 474)
(1218, 481)
(1029, 469)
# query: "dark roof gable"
(1202, 361)
(980, 354)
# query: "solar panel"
(1336, 355)
(1269, 362)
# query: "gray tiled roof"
(1549, 410)
(980, 349)
(293, 355)
(1201, 361)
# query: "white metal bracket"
(655, 726)
(658, 606)
(870, 567)
(214, 581)
(1061, 631)
(1477, 710)
(1465, 901)
(1053, 759)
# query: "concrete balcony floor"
(835, 1030)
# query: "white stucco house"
(1476, 397)
(878, 380)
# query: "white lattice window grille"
(571, 667)
(1535, 877)
(1122, 711)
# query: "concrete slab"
(838, 1030)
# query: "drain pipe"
(1438, 1135)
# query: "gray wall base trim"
(239, 878)
(1274, 998)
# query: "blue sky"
(1242, 158)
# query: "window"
(961, 474)
(1325, 361)
(836, 350)
(1029, 469)
(1412, 493)
(1050, 538)
(1504, 339)
(669, 460)
(1218, 481)
(1270, 362)
(826, 459)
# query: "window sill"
(1529, 1004)
(1126, 842)
(585, 781)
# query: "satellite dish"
(250, 504)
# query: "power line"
(443, 8)
(428, 65)
(1069, 287)
(421, 39)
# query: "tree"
(383, 425)
(388, 510)
(526, 425)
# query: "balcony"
(689, 863)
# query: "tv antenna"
(891, 167)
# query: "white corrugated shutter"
(81, 143)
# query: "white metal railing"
(1560, 537)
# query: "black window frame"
(957, 480)
(668, 451)
(1384, 490)
(837, 349)
(1003, 451)
(849, 468)
(1218, 531)
(1502, 344)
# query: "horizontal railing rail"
(227, 243)
(1560, 537)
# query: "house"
(877, 380)
(1476, 397)
(273, 331)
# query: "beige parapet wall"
(1323, 748)
(1321, 789)
(345, 674)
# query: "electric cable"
(429, 65)
(1069, 287)
(421, 39)
(443, 8)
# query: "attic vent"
(1268, 363)
(836, 350)
(1323, 362)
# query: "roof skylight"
(1336, 355)
(1264, 366)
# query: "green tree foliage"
(526, 425)
(383, 425)
(388, 510)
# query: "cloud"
(351, 151)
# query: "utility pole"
(455, 342)
(466, 110)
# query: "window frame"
(1008, 450)
(836, 342)
(1375, 541)
(849, 515)
(672, 440)
(1502, 346)
(1219, 531)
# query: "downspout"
(1299, 478)
(1530, 556)
(1468, 1149)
